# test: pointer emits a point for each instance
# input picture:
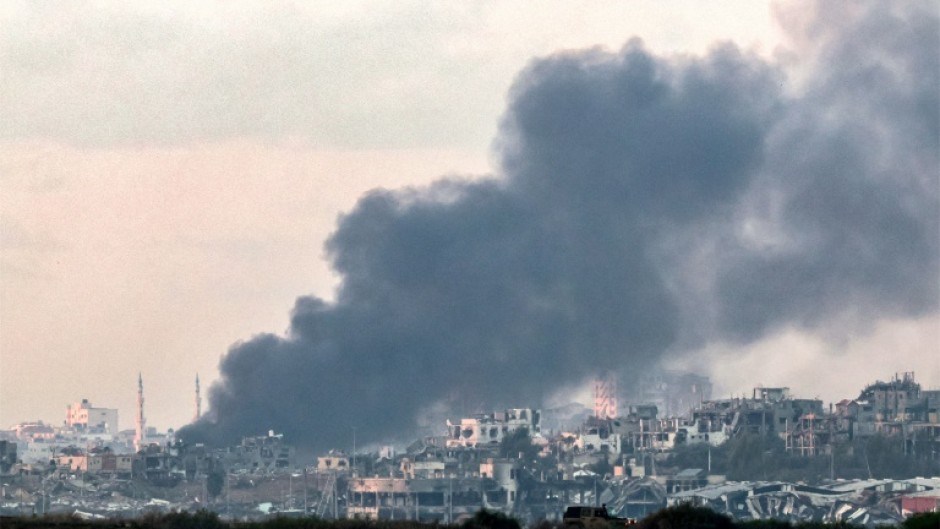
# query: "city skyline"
(585, 397)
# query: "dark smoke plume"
(644, 206)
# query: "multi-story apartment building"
(84, 417)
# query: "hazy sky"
(171, 172)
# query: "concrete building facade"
(85, 417)
(492, 428)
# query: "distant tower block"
(198, 401)
(605, 397)
(141, 424)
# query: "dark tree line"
(680, 517)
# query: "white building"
(699, 433)
(37, 452)
(492, 428)
(334, 460)
(505, 473)
(599, 439)
(82, 416)
(422, 469)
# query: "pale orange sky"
(169, 173)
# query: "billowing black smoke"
(644, 206)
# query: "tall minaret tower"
(141, 422)
(198, 400)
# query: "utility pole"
(832, 457)
(903, 438)
(335, 506)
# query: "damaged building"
(861, 502)
(439, 499)
(492, 428)
(770, 411)
(261, 453)
(674, 394)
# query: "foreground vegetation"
(682, 517)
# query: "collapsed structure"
(492, 428)
(525, 462)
